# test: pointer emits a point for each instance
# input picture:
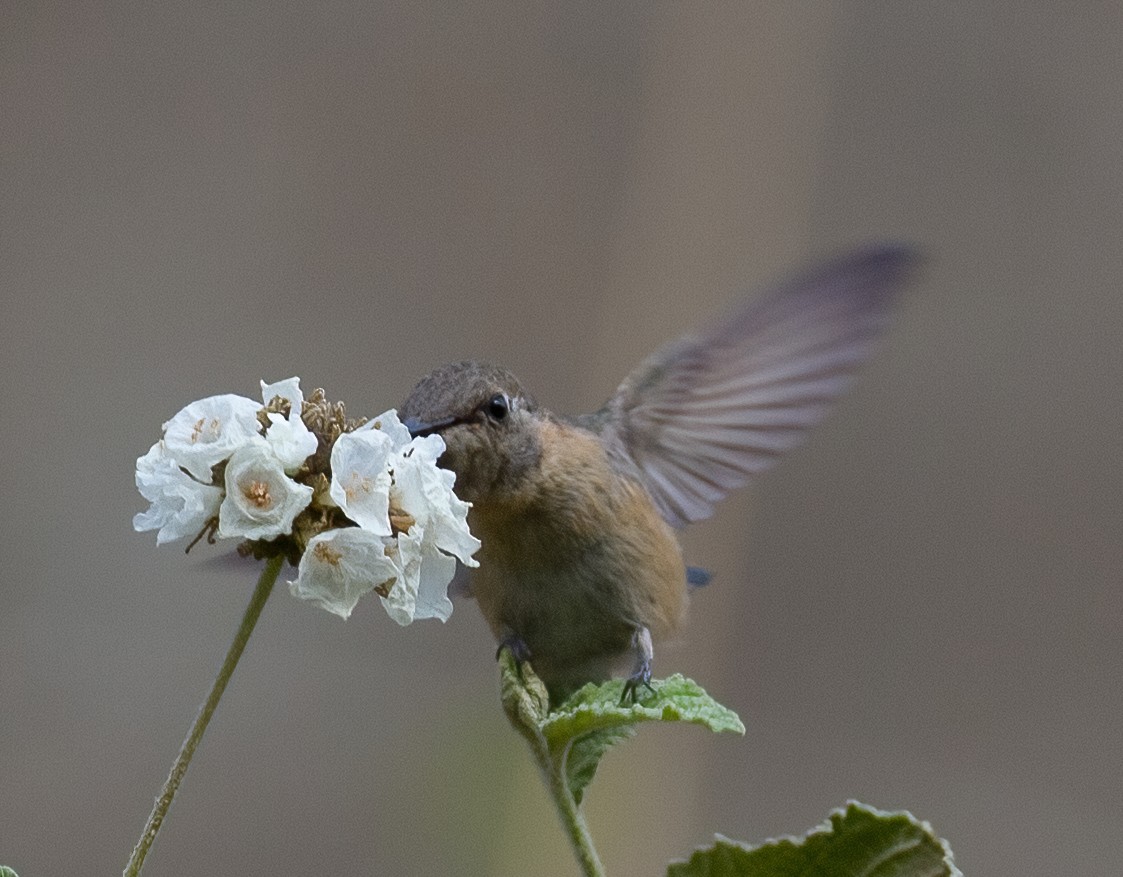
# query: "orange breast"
(577, 559)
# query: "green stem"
(572, 818)
(527, 705)
(179, 768)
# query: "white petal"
(388, 423)
(401, 603)
(291, 441)
(339, 566)
(420, 485)
(360, 478)
(289, 390)
(424, 490)
(424, 573)
(437, 570)
(210, 430)
(180, 505)
(261, 501)
(425, 449)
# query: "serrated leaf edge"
(828, 827)
(606, 715)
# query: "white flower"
(389, 423)
(339, 566)
(360, 478)
(409, 560)
(289, 390)
(210, 430)
(424, 491)
(181, 506)
(379, 461)
(421, 589)
(423, 554)
(261, 501)
(291, 440)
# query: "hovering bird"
(580, 567)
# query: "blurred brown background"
(921, 608)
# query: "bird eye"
(498, 406)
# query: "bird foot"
(641, 676)
(641, 669)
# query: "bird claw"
(642, 676)
(641, 669)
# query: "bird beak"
(418, 427)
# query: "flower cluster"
(358, 505)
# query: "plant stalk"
(572, 818)
(195, 735)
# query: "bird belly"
(575, 569)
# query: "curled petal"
(421, 589)
(424, 491)
(289, 390)
(180, 505)
(291, 441)
(389, 423)
(290, 438)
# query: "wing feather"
(710, 411)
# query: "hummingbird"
(580, 569)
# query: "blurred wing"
(711, 410)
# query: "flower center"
(205, 431)
(326, 554)
(257, 492)
(358, 484)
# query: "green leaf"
(576, 735)
(598, 707)
(585, 754)
(5, 871)
(859, 840)
(593, 720)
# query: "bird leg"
(641, 670)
